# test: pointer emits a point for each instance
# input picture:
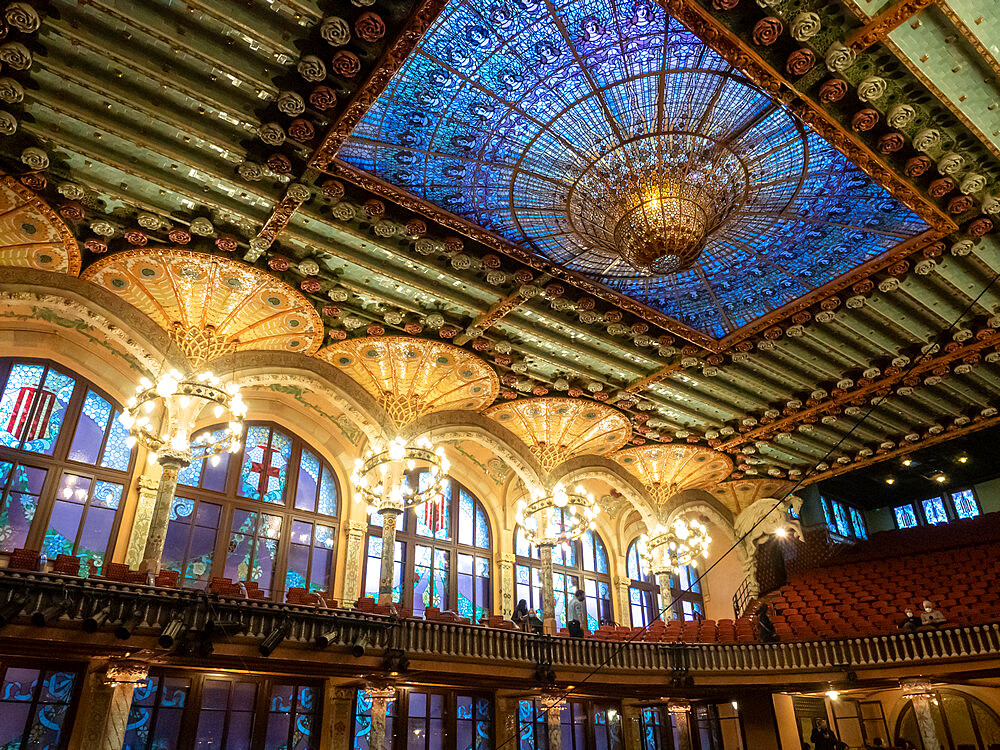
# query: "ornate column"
(354, 554)
(672, 610)
(335, 732)
(506, 584)
(381, 695)
(389, 516)
(631, 730)
(921, 693)
(624, 604)
(172, 462)
(553, 704)
(681, 711)
(548, 594)
(506, 725)
(104, 712)
(146, 486)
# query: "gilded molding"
(880, 26)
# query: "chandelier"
(558, 517)
(162, 415)
(654, 201)
(380, 477)
(670, 548)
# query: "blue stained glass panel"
(434, 517)
(905, 517)
(497, 116)
(327, 494)
(18, 395)
(965, 504)
(482, 529)
(90, 429)
(363, 721)
(466, 518)
(19, 502)
(214, 469)
(858, 522)
(843, 527)
(934, 511)
(32, 411)
(265, 463)
(253, 548)
(308, 483)
(117, 453)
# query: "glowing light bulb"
(148, 407)
(217, 411)
(214, 460)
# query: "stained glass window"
(291, 719)
(858, 524)
(34, 706)
(154, 720)
(266, 514)
(651, 729)
(964, 502)
(607, 727)
(61, 484)
(447, 568)
(843, 525)
(226, 713)
(190, 543)
(363, 721)
(645, 601)
(473, 723)
(934, 511)
(532, 726)
(582, 564)
(507, 114)
(906, 518)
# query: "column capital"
(381, 689)
(507, 558)
(357, 527)
(173, 457)
(121, 672)
(147, 484)
(678, 706)
(914, 687)
(552, 701)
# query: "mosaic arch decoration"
(740, 494)
(591, 132)
(31, 234)
(411, 377)
(211, 305)
(666, 470)
(557, 429)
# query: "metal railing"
(741, 598)
(151, 609)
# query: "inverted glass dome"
(607, 138)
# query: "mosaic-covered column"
(671, 608)
(507, 584)
(921, 693)
(553, 706)
(631, 727)
(624, 604)
(338, 708)
(681, 711)
(548, 593)
(106, 704)
(172, 462)
(381, 696)
(506, 728)
(389, 517)
(147, 487)
(354, 555)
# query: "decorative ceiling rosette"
(739, 494)
(666, 470)
(211, 305)
(31, 234)
(411, 377)
(557, 429)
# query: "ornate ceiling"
(555, 148)
(220, 128)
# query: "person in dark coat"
(911, 622)
(765, 628)
(823, 737)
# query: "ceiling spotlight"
(780, 532)
(963, 459)
(833, 694)
(736, 706)
(890, 480)
(907, 461)
(940, 479)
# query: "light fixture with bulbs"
(670, 548)
(890, 480)
(380, 478)
(833, 694)
(556, 517)
(162, 415)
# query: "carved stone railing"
(150, 609)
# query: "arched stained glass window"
(582, 564)
(645, 602)
(267, 514)
(65, 463)
(443, 548)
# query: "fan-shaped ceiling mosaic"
(31, 235)
(669, 469)
(742, 493)
(411, 377)
(211, 305)
(607, 138)
(557, 429)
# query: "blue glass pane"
(842, 527)
(858, 522)
(18, 396)
(308, 483)
(482, 528)
(265, 461)
(513, 116)
(31, 412)
(215, 473)
(466, 518)
(934, 511)
(90, 429)
(117, 453)
(905, 517)
(19, 503)
(965, 504)
(327, 494)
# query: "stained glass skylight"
(511, 112)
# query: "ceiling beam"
(881, 25)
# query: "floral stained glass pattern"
(34, 705)
(154, 720)
(934, 511)
(473, 586)
(374, 564)
(430, 573)
(291, 721)
(265, 464)
(207, 473)
(190, 544)
(513, 115)
(905, 517)
(858, 522)
(253, 548)
(32, 407)
(90, 429)
(21, 487)
(310, 557)
(965, 504)
(474, 726)
(316, 489)
(82, 519)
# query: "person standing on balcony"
(823, 737)
(765, 628)
(577, 616)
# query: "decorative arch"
(610, 472)
(699, 502)
(32, 235)
(956, 711)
